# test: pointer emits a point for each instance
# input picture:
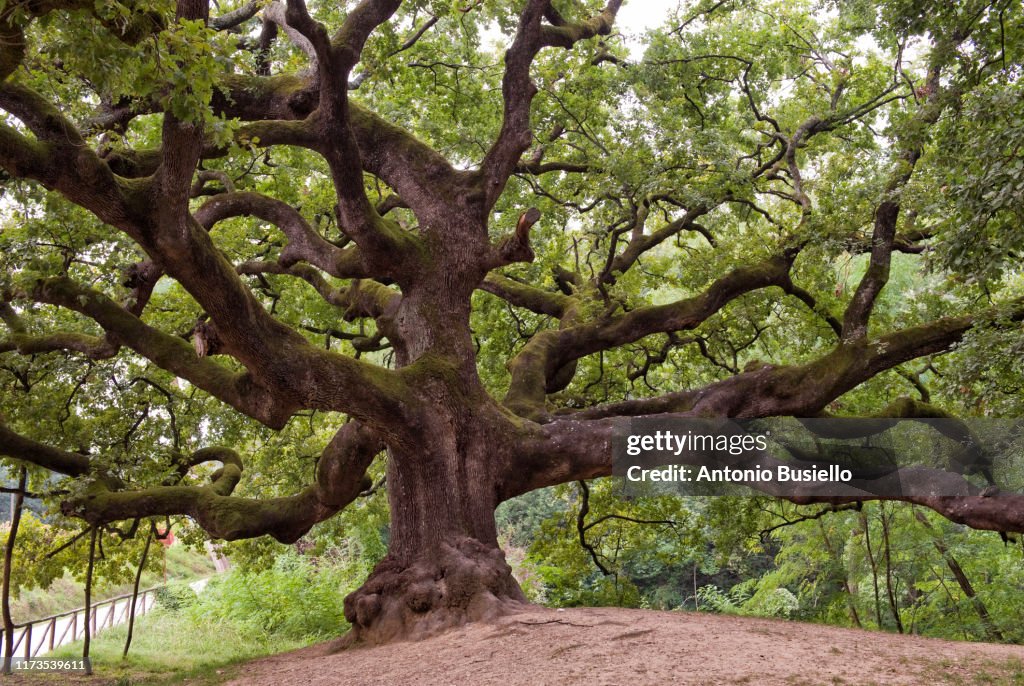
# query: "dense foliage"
(887, 566)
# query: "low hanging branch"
(12, 536)
(582, 526)
(135, 589)
(87, 639)
(763, 534)
(340, 478)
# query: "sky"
(634, 17)
(637, 16)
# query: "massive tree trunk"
(443, 566)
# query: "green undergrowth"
(169, 646)
(239, 616)
(66, 593)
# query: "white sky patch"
(639, 16)
(635, 17)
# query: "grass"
(183, 564)
(239, 616)
(170, 647)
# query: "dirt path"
(610, 646)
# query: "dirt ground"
(611, 646)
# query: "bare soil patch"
(612, 646)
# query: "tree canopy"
(258, 258)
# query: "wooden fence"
(41, 636)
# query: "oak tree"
(464, 239)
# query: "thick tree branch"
(550, 350)
(236, 17)
(93, 347)
(539, 168)
(174, 354)
(362, 298)
(527, 296)
(59, 159)
(855, 320)
(276, 109)
(802, 390)
(518, 89)
(385, 248)
(304, 243)
(162, 225)
(22, 448)
(564, 34)
(883, 237)
(298, 32)
(573, 449)
(340, 478)
(279, 356)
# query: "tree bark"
(135, 591)
(12, 535)
(444, 567)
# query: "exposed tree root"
(466, 581)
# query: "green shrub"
(297, 599)
(239, 615)
(174, 597)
